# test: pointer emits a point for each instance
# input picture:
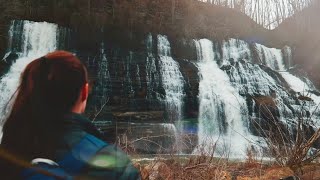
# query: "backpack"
(70, 165)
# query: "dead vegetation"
(219, 169)
(208, 168)
(291, 144)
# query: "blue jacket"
(108, 162)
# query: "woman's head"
(55, 81)
(50, 87)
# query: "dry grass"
(216, 170)
(220, 169)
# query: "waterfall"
(295, 83)
(37, 39)
(102, 88)
(172, 80)
(138, 79)
(152, 73)
(274, 58)
(232, 88)
(236, 49)
(271, 57)
(173, 84)
(287, 54)
(251, 79)
(222, 110)
(303, 90)
(127, 84)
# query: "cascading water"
(222, 111)
(172, 80)
(152, 73)
(270, 89)
(271, 57)
(304, 91)
(251, 80)
(231, 86)
(37, 39)
(173, 84)
(274, 59)
(138, 79)
(128, 78)
(287, 55)
(235, 49)
(102, 88)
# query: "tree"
(269, 13)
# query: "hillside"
(125, 24)
(123, 20)
(302, 33)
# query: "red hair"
(49, 88)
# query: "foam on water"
(236, 49)
(222, 111)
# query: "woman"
(45, 125)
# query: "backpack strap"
(81, 154)
(71, 164)
(45, 172)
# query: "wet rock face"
(154, 82)
(191, 76)
(134, 16)
(150, 116)
(129, 84)
(6, 62)
(267, 118)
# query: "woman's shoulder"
(102, 160)
(112, 163)
(76, 126)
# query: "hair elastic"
(44, 67)
(43, 60)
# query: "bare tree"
(269, 13)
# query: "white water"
(128, 78)
(172, 80)
(251, 79)
(38, 38)
(236, 49)
(274, 58)
(304, 90)
(222, 111)
(138, 79)
(152, 74)
(103, 84)
(287, 53)
(271, 57)
(173, 84)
